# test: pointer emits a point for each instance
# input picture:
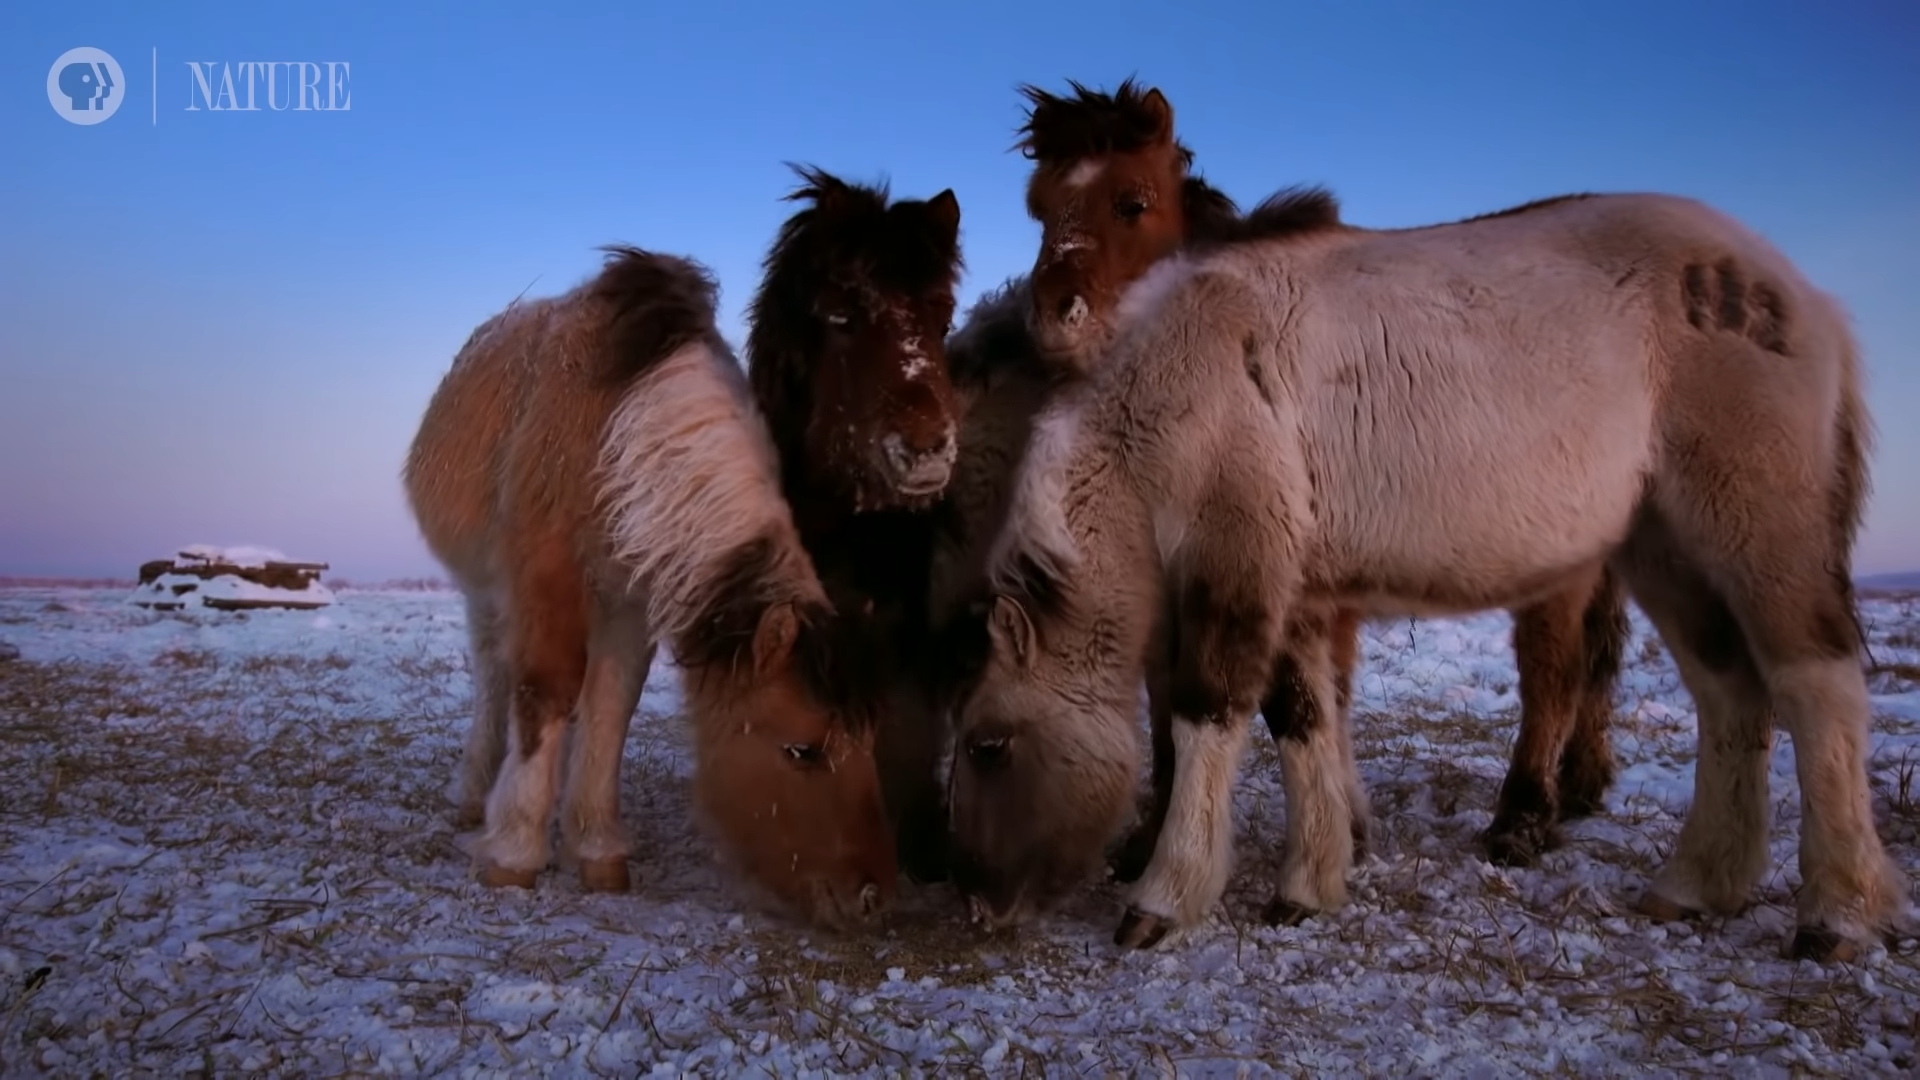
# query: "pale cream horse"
(1444, 420)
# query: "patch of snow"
(225, 848)
(245, 555)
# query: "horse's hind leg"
(1775, 628)
(1550, 648)
(487, 732)
(546, 650)
(619, 653)
(1722, 848)
(1587, 764)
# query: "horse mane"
(1059, 127)
(1213, 220)
(655, 304)
(747, 581)
(993, 337)
(846, 224)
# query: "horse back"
(456, 462)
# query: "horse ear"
(1012, 629)
(944, 209)
(773, 639)
(1161, 110)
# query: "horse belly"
(1477, 484)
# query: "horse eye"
(806, 755)
(987, 754)
(1130, 207)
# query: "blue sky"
(222, 327)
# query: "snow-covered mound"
(230, 579)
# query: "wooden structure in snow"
(231, 579)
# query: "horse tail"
(1852, 479)
(655, 305)
(1853, 430)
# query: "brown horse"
(593, 475)
(846, 355)
(1113, 194)
(1441, 419)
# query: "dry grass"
(283, 812)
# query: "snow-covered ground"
(225, 849)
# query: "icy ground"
(225, 849)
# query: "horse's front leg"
(1136, 852)
(1323, 789)
(619, 655)
(1222, 646)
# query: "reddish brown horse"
(846, 353)
(593, 475)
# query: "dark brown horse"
(846, 352)
(592, 473)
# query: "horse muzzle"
(917, 474)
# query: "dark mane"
(719, 641)
(993, 338)
(655, 304)
(1061, 128)
(959, 647)
(847, 228)
(1291, 211)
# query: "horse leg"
(1773, 625)
(1137, 851)
(1722, 848)
(1587, 764)
(546, 649)
(1290, 706)
(1317, 771)
(1344, 641)
(1551, 653)
(487, 733)
(619, 654)
(1227, 633)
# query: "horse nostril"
(869, 898)
(1072, 310)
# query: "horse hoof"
(1361, 833)
(1513, 849)
(1583, 791)
(1575, 807)
(499, 877)
(604, 875)
(1139, 930)
(1822, 946)
(1660, 909)
(1283, 912)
